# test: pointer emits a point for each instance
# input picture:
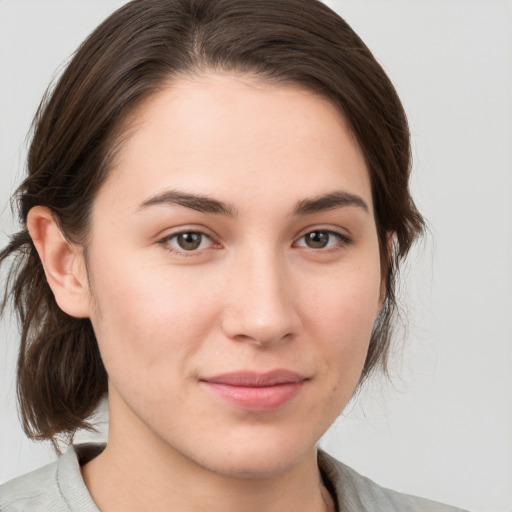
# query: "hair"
(133, 54)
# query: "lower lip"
(259, 399)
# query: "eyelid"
(337, 230)
(164, 240)
(343, 237)
(184, 228)
(338, 233)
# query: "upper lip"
(256, 379)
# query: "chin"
(266, 466)
(257, 460)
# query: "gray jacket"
(59, 487)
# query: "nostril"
(260, 331)
(264, 341)
(260, 307)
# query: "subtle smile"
(258, 392)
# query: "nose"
(260, 307)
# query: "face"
(234, 273)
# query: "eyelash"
(343, 241)
(182, 252)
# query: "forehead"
(224, 134)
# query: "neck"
(138, 481)
(141, 472)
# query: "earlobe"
(390, 248)
(382, 295)
(63, 262)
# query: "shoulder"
(57, 487)
(37, 490)
(356, 493)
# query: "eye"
(188, 241)
(322, 239)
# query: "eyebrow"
(205, 204)
(331, 201)
(198, 202)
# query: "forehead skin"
(207, 125)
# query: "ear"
(390, 248)
(63, 262)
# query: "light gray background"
(443, 427)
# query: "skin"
(253, 295)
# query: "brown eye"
(322, 239)
(189, 241)
(317, 239)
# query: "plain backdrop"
(442, 428)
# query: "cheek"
(347, 301)
(341, 314)
(146, 316)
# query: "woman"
(216, 208)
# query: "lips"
(259, 392)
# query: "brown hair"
(130, 56)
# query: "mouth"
(258, 392)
